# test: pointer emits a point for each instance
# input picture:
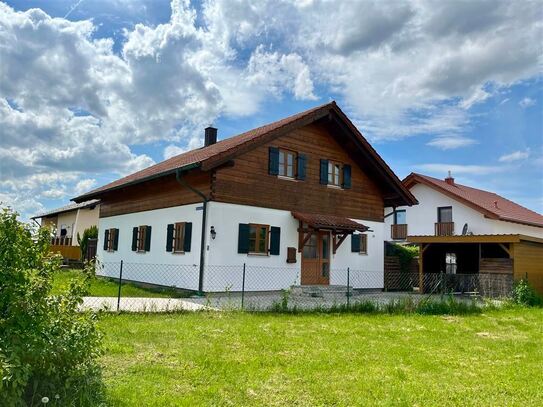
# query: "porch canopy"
(339, 226)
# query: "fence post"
(348, 287)
(243, 287)
(120, 283)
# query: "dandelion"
(57, 396)
(45, 400)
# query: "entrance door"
(316, 260)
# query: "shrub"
(48, 347)
(90, 233)
(525, 294)
(405, 254)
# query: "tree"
(48, 344)
(83, 242)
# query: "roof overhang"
(336, 224)
(512, 238)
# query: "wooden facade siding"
(156, 194)
(528, 261)
(248, 181)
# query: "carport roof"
(505, 238)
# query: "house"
(468, 231)
(294, 201)
(66, 222)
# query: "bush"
(48, 347)
(405, 254)
(525, 294)
(90, 233)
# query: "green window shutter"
(275, 240)
(106, 239)
(273, 163)
(302, 160)
(134, 238)
(169, 238)
(188, 237)
(148, 239)
(324, 172)
(243, 238)
(346, 176)
(116, 240)
(355, 243)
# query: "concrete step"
(320, 290)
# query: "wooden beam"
(423, 247)
(506, 250)
(337, 243)
(302, 240)
(421, 271)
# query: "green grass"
(490, 359)
(103, 287)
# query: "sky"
(92, 90)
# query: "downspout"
(205, 200)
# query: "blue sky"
(93, 90)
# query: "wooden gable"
(248, 182)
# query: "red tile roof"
(215, 154)
(490, 204)
(329, 222)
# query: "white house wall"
(421, 218)
(225, 264)
(86, 218)
(223, 269)
(366, 270)
(156, 266)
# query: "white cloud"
(451, 142)
(71, 107)
(172, 150)
(84, 185)
(526, 102)
(515, 156)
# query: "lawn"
(103, 287)
(247, 359)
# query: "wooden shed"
(515, 255)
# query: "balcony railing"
(398, 232)
(444, 228)
(61, 241)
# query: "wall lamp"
(213, 233)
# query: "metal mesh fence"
(143, 287)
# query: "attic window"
(287, 163)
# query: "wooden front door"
(316, 260)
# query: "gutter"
(205, 200)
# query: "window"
(444, 214)
(450, 263)
(359, 243)
(258, 238)
(287, 163)
(335, 173)
(179, 238)
(141, 238)
(400, 217)
(111, 240)
(112, 235)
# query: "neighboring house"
(295, 200)
(464, 230)
(66, 222)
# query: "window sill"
(141, 251)
(258, 254)
(363, 254)
(334, 187)
(285, 178)
(177, 252)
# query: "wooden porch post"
(421, 278)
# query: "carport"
(507, 257)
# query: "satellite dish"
(465, 229)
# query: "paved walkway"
(137, 304)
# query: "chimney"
(210, 136)
(449, 180)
